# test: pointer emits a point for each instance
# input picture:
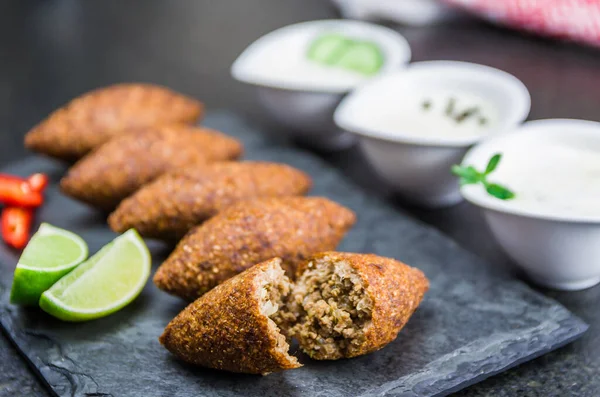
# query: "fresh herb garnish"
(450, 107)
(467, 113)
(451, 111)
(470, 176)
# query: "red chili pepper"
(10, 177)
(17, 192)
(38, 182)
(16, 224)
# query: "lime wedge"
(105, 283)
(51, 253)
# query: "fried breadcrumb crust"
(395, 288)
(171, 205)
(225, 329)
(249, 232)
(93, 118)
(122, 165)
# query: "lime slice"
(328, 48)
(363, 57)
(105, 283)
(51, 253)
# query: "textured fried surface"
(395, 289)
(174, 203)
(292, 228)
(91, 119)
(225, 329)
(122, 165)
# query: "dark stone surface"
(17, 380)
(52, 50)
(474, 321)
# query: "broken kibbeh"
(343, 305)
(122, 165)
(93, 118)
(249, 232)
(346, 305)
(171, 205)
(229, 327)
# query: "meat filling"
(274, 292)
(332, 309)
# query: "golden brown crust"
(122, 165)
(225, 329)
(93, 118)
(395, 288)
(292, 228)
(171, 205)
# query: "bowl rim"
(487, 202)
(520, 106)
(238, 74)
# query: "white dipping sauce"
(554, 178)
(279, 59)
(407, 116)
(285, 60)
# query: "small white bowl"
(297, 101)
(405, 12)
(556, 246)
(418, 166)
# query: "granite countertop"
(58, 49)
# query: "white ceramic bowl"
(303, 105)
(406, 12)
(557, 248)
(418, 167)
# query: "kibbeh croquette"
(346, 305)
(343, 305)
(172, 204)
(93, 118)
(249, 232)
(229, 327)
(122, 165)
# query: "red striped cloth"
(577, 20)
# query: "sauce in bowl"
(558, 179)
(552, 166)
(434, 114)
(297, 57)
(551, 228)
(436, 103)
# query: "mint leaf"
(468, 175)
(493, 163)
(499, 192)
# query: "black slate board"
(472, 324)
